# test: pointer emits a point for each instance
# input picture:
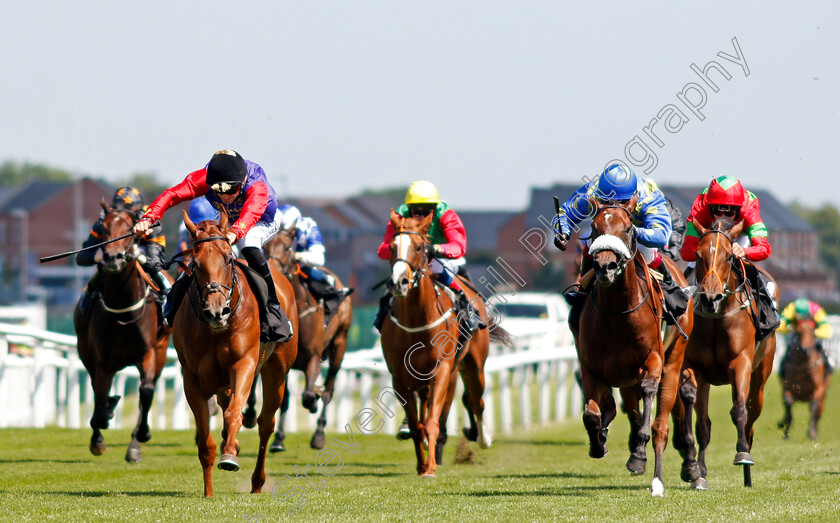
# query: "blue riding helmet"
(201, 210)
(616, 183)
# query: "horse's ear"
(223, 220)
(736, 229)
(395, 219)
(189, 224)
(104, 204)
(631, 203)
(699, 228)
(426, 224)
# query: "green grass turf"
(541, 475)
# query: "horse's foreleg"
(666, 396)
(704, 425)
(688, 397)
(592, 414)
(439, 391)
(249, 415)
(472, 373)
(308, 397)
(787, 417)
(141, 433)
(280, 434)
(440, 441)
(204, 440)
(817, 404)
(274, 386)
(417, 432)
(336, 355)
(103, 409)
(637, 461)
(739, 376)
(241, 378)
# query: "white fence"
(42, 382)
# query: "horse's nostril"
(208, 316)
(225, 312)
(404, 282)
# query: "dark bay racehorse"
(217, 335)
(804, 377)
(722, 350)
(420, 341)
(316, 342)
(121, 329)
(620, 343)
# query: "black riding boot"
(767, 315)
(676, 300)
(466, 312)
(329, 294)
(174, 297)
(277, 326)
(90, 291)
(384, 309)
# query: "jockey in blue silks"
(617, 185)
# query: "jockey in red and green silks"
(725, 196)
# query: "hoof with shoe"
(277, 445)
(700, 484)
(743, 458)
(636, 465)
(404, 432)
(133, 455)
(229, 462)
(249, 418)
(318, 441)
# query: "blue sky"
(484, 98)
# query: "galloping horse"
(316, 342)
(620, 343)
(420, 341)
(722, 349)
(121, 329)
(217, 335)
(804, 377)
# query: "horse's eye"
(417, 248)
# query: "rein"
(213, 286)
(727, 292)
(418, 272)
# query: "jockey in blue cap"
(618, 185)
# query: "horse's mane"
(724, 223)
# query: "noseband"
(632, 248)
(731, 258)
(213, 286)
(420, 270)
(125, 253)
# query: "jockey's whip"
(96, 246)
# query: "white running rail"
(43, 382)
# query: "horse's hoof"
(429, 476)
(743, 458)
(97, 446)
(636, 465)
(277, 446)
(318, 441)
(133, 456)
(471, 433)
(229, 462)
(690, 473)
(485, 441)
(598, 452)
(657, 489)
(310, 401)
(249, 418)
(699, 484)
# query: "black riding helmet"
(226, 167)
(128, 198)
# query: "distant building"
(43, 218)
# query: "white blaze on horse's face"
(401, 271)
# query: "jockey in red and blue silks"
(617, 185)
(241, 189)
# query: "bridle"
(289, 250)
(126, 253)
(727, 292)
(212, 287)
(128, 256)
(421, 268)
(633, 247)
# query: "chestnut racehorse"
(420, 341)
(317, 342)
(121, 329)
(620, 343)
(722, 349)
(804, 376)
(217, 335)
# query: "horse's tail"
(499, 335)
